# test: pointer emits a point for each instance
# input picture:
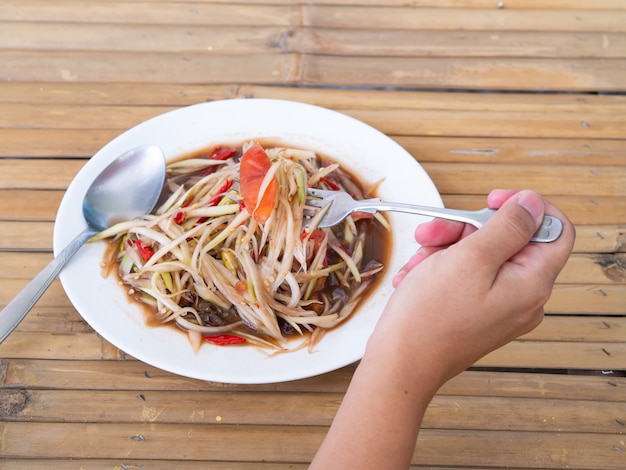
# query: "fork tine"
(318, 203)
(320, 193)
(317, 197)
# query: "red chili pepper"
(222, 154)
(214, 201)
(180, 217)
(225, 340)
(331, 184)
(219, 153)
(145, 251)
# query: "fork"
(328, 208)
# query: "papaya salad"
(226, 258)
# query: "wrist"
(407, 361)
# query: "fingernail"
(533, 203)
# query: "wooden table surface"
(519, 93)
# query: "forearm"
(379, 419)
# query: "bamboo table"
(520, 93)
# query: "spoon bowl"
(128, 187)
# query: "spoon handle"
(16, 310)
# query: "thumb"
(511, 227)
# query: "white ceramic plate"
(358, 147)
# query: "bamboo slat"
(558, 354)
(514, 4)
(188, 13)
(74, 346)
(510, 150)
(54, 320)
(497, 74)
(485, 4)
(584, 299)
(579, 329)
(476, 178)
(26, 236)
(290, 68)
(22, 265)
(380, 41)
(35, 174)
(92, 66)
(29, 205)
(159, 38)
(303, 409)
(581, 210)
(431, 123)
(54, 296)
(272, 443)
(104, 375)
(566, 328)
(593, 269)
(53, 143)
(465, 18)
(77, 117)
(172, 94)
(375, 41)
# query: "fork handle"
(550, 228)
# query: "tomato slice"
(254, 165)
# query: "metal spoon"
(129, 187)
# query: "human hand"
(460, 297)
